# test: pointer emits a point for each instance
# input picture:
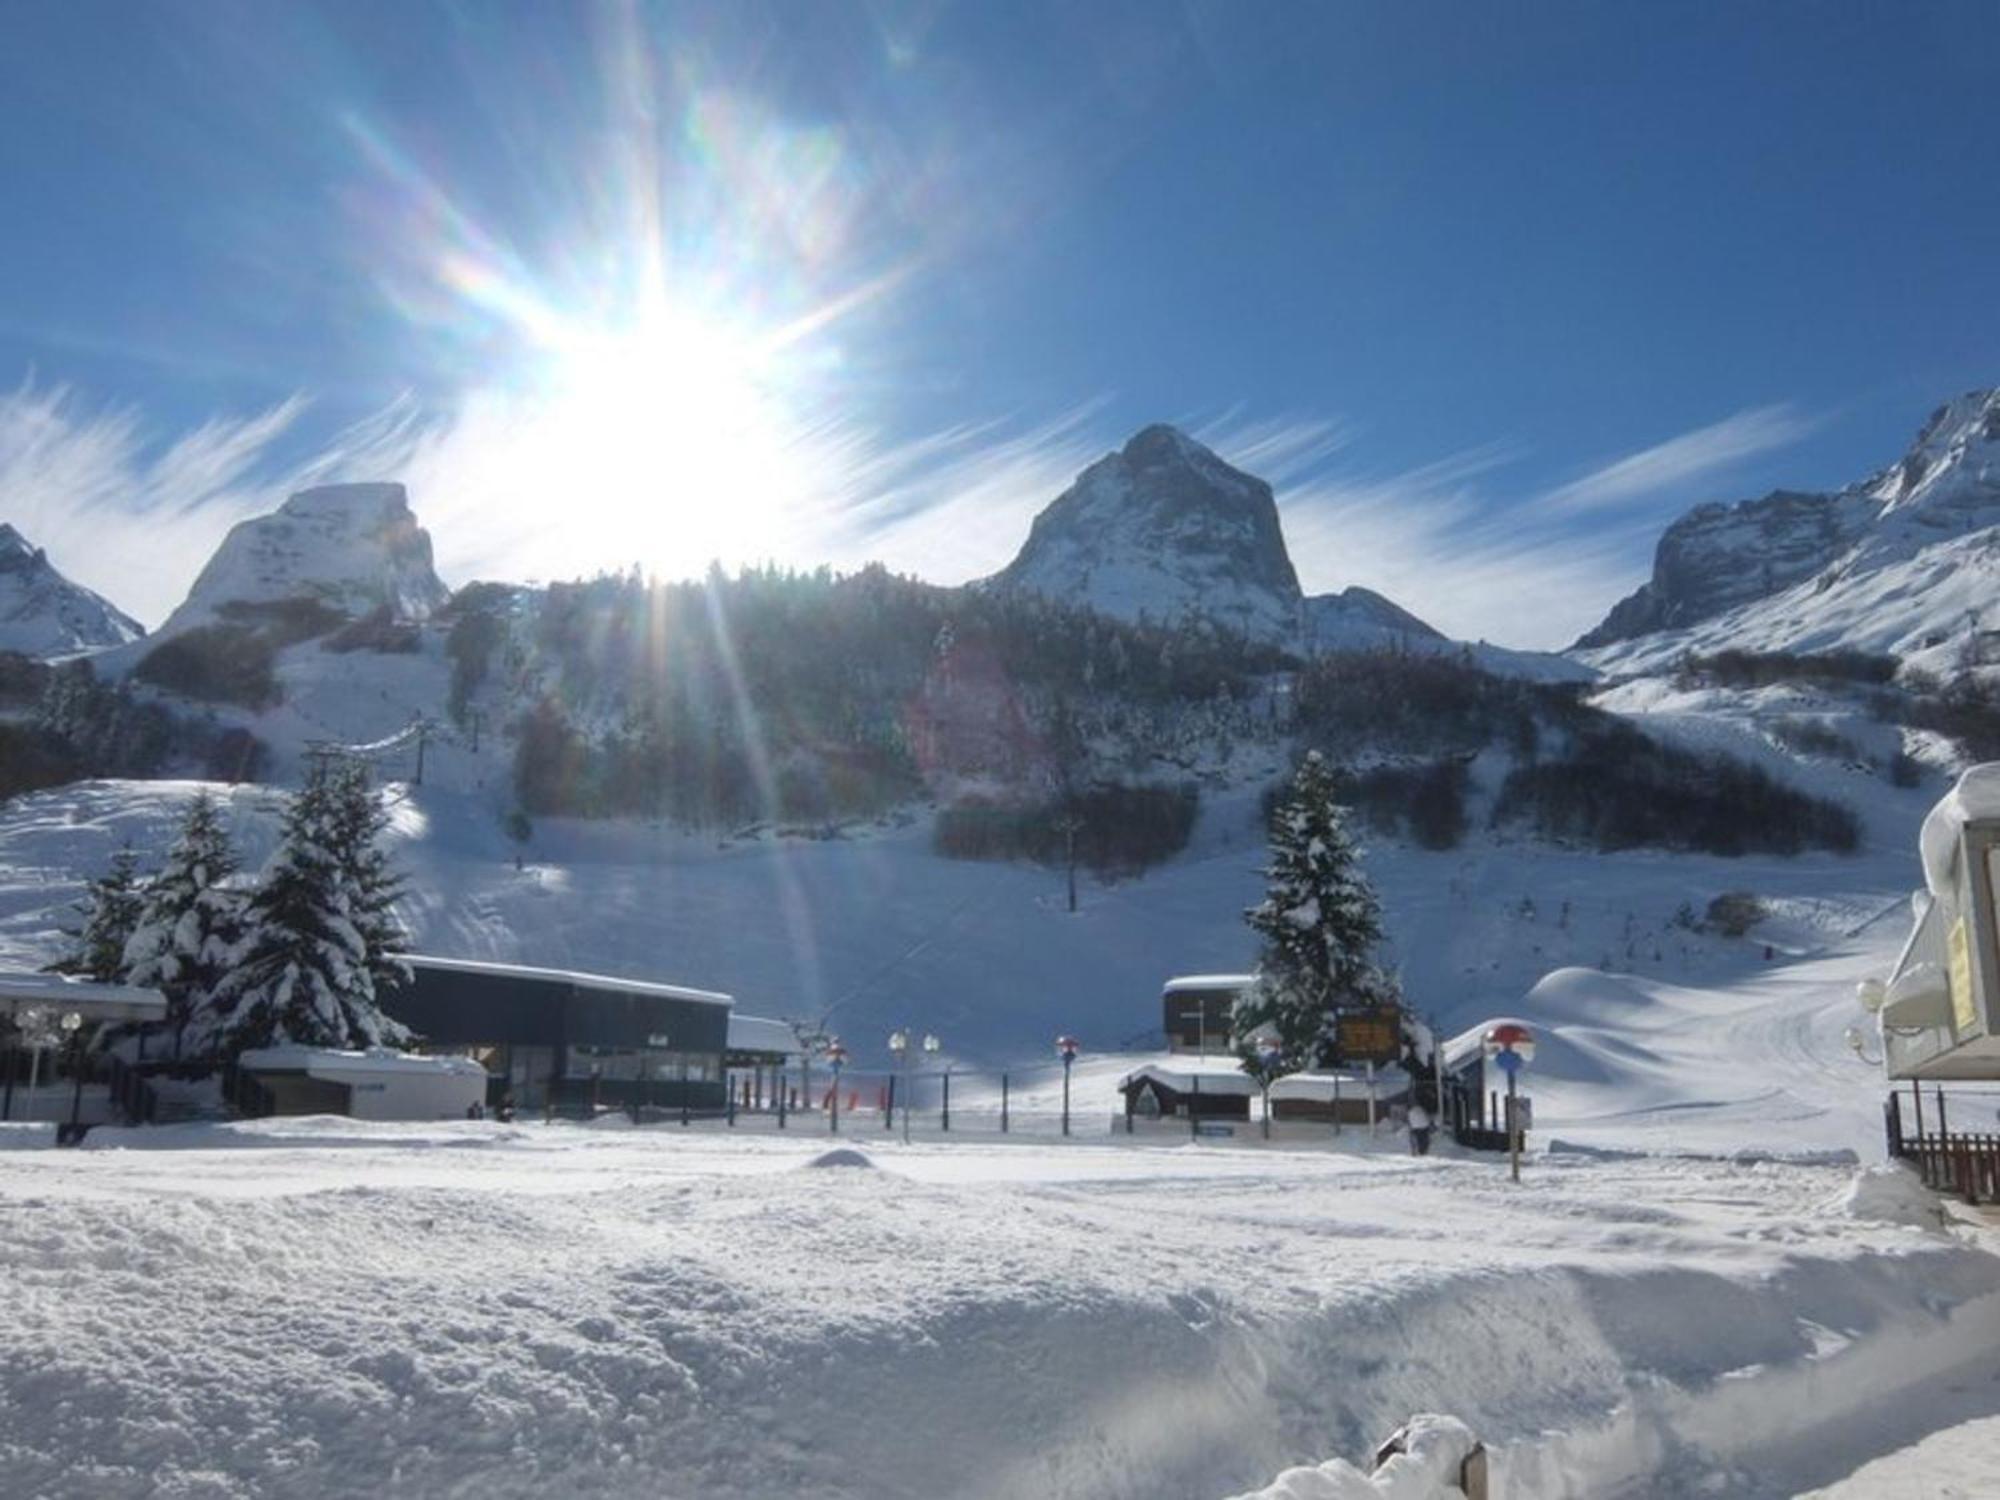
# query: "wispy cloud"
(1479, 558)
(133, 514)
(1680, 461)
(1461, 540)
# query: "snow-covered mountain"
(42, 613)
(1165, 530)
(1903, 562)
(355, 547)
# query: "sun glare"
(672, 436)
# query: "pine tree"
(110, 907)
(359, 821)
(1319, 921)
(188, 932)
(303, 975)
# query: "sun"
(673, 434)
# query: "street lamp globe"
(899, 1042)
(931, 1044)
(72, 1022)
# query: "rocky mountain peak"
(1886, 564)
(356, 547)
(1165, 529)
(1959, 445)
(42, 613)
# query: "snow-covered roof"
(1185, 1080)
(1184, 983)
(1976, 797)
(761, 1034)
(1351, 1085)
(569, 976)
(21, 989)
(328, 1062)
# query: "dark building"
(1155, 1093)
(564, 1041)
(1196, 1010)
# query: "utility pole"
(423, 738)
(1069, 825)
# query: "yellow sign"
(1958, 978)
(1361, 1037)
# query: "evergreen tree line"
(1617, 788)
(76, 726)
(303, 954)
(777, 694)
(1114, 830)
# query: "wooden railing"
(1966, 1163)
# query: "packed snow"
(317, 1307)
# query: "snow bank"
(1431, 1454)
(1890, 1194)
(678, 1313)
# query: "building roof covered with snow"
(23, 990)
(605, 983)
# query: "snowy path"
(327, 1308)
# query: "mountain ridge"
(44, 613)
(1901, 562)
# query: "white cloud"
(1678, 462)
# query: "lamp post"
(932, 1046)
(72, 1027)
(899, 1048)
(1066, 1048)
(836, 1057)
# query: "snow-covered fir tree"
(305, 972)
(110, 909)
(1320, 923)
(359, 821)
(188, 932)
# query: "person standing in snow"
(1420, 1130)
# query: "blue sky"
(1488, 292)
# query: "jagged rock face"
(356, 547)
(1718, 556)
(1166, 530)
(43, 614)
(1723, 559)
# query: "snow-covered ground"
(1707, 1282)
(333, 1308)
(872, 931)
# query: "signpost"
(1511, 1047)
(1066, 1048)
(1368, 1036)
